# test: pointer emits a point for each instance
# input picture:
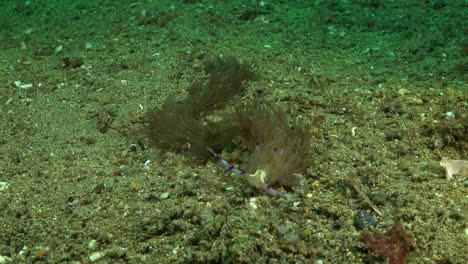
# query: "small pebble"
(4, 259)
(252, 204)
(363, 219)
(164, 196)
(3, 186)
(146, 250)
(403, 92)
(96, 256)
(93, 244)
(449, 116)
(136, 187)
(99, 188)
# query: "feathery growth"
(198, 126)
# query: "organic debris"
(355, 184)
(455, 167)
(394, 244)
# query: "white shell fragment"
(453, 167)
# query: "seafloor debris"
(394, 244)
(455, 169)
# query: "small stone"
(136, 187)
(252, 204)
(116, 252)
(96, 256)
(3, 186)
(4, 259)
(121, 205)
(93, 244)
(41, 253)
(449, 116)
(403, 92)
(363, 219)
(88, 46)
(133, 148)
(164, 196)
(146, 250)
(99, 188)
